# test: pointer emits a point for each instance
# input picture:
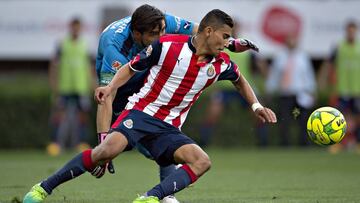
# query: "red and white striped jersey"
(175, 79)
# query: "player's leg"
(175, 148)
(114, 144)
(195, 163)
(56, 125)
(164, 171)
(286, 106)
(83, 110)
(302, 123)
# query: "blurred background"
(316, 31)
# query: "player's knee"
(102, 153)
(203, 164)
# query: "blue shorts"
(159, 138)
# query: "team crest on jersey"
(210, 71)
(128, 123)
(149, 50)
(116, 65)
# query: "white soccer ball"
(169, 199)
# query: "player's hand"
(101, 93)
(241, 45)
(266, 115)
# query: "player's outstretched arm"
(263, 113)
(120, 78)
(241, 45)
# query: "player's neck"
(198, 41)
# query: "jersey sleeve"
(147, 57)
(177, 25)
(231, 73)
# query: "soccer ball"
(326, 126)
(169, 199)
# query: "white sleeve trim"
(133, 68)
(237, 79)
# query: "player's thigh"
(113, 145)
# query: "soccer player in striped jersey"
(119, 43)
(180, 68)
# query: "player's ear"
(208, 30)
(137, 34)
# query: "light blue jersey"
(117, 46)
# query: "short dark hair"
(216, 18)
(146, 18)
(75, 20)
(351, 23)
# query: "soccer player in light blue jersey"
(119, 43)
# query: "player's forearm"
(104, 114)
(245, 90)
(103, 117)
(121, 77)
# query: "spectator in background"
(253, 68)
(71, 82)
(343, 67)
(292, 80)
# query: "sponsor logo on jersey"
(210, 71)
(128, 123)
(178, 60)
(149, 50)
(116, 65)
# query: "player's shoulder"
(224, 57)
(169, 16)
(120, 27)
(174, 38)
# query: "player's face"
(218, 39)
(149, 37)
(75, 29)
(351, 33)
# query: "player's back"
(117, 34)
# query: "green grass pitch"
(245, 175)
